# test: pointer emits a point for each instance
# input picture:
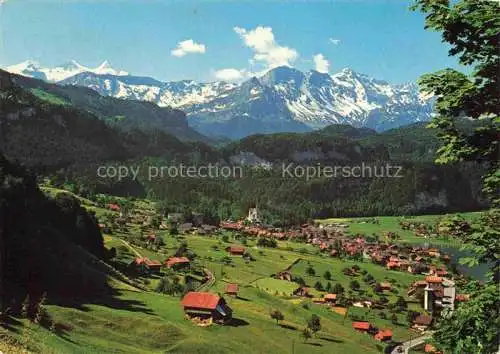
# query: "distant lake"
(478, 272)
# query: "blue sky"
(232, 39)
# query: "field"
(144, 321)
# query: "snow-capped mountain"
(283, 99)
(32, 68)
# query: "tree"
(338, 289)
(327, 275)
(394, 319)
(314, 323)
(471, 27)
(277, 315)
(310, 271)
(354, 285)
(401, 303)
(318, 286)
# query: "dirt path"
(130, 247)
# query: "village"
(432, 293)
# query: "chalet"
(114, 207)
(284, 275)
(206, 306)
(232, 289)
(302, 291)
(417, 268)
(361, 326)
(392, 265)
(429, 348)
(236, 226)
(462, 297)
(236, 250)
(177, 262)
(383, 335)
(318, 300)
(334, 253)
(433, 279)
(185, 227)
(421, 322)
(330, 298)
(145, 263)
(433, 252)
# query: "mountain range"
(282, 100)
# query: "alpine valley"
(282, 100)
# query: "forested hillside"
(62, 134)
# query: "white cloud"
(267, 52)
(321, 63)
(188, 47)
(334, 41)
(230, 74)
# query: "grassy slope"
(155, 324)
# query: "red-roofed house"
(114, 207)
(236, 250)
(392, 265)
(177, 262)
(383, 335)
(147, 264)
(433, 279)
(206, 306)
(330, 297)
(232, 289)
(386, 285)
(361, 326)
(462, 297)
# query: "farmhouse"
(383, 335)
(206, 306)
(284, 275)
(151, 265)
(177, 262)
(114, 207)
(361, 326)
(331, 298)
(236, 250)
(302, 291)
(421, 322)
(232, 289)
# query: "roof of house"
(176, 260)
(330, 296)
(429, 348)
(383, 334)
(433, 279)
(420, 283)
(386, 284)
(232, 288)
(201, 300)
(237, 249)
(423, 320)
(361, 325)
(114, 206)
(462, 297)
(147, 261)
